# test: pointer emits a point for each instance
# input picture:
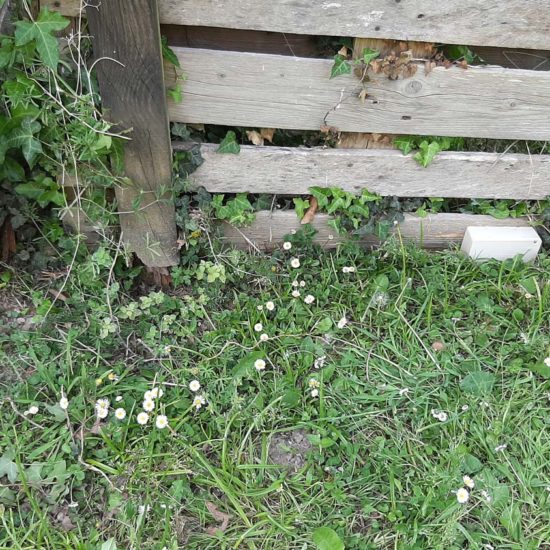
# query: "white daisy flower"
(351, 269)
(161, 421)
(314, 383)
(295, 263)
(120, 414)
(342, 322)
(486, 496)
(260, 308)
(469, 482)
(32, 410)
(142, 418)
(295, 293)
(442, 416)
(302, 284)
(157, 393)
(345, 269)
(64, 403)
(319, 362)
(194, 385)
(148, 405)
(465, 407)
(287, 245)
(462, 495)
(314, 392)
(258, 327)
(148, 395)
(118, 398)
(264, 337)
(330, 237)
(199, 401)
(102, 404)
(295, 283)
(259, 364)
(500, 448)
(309, 299)
(102, 412)
(547, 361)
(270, 306)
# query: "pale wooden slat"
(433, 231)
(510, 23)
(293, 170)
(245, 89)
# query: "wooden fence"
(259, 88)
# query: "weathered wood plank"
(271, 91)
(293, 170)
(434, 231)
(126, 37)
(510, 23)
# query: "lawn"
(307, 399)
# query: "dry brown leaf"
(254, 137)
(7, 240)
(267, 133)
(310, 212)
(463, 64)
(221, 517)
(343, 51)
(363, 95)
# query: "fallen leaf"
(7, 239)
(463, 64)
(254, 137)
(57, 294)
(343, 51)
(267, 133)
(218, 516)
(428, 67)
(310, 212)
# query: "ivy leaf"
(405, 143)
(326, 538)
(427, 152)
(300, 205)
(41, 31)
(168, 53)
(23, 137)
(478, 383)
(176, 93)
(229, 144)
(368, 55)
(341, 66)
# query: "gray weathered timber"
(272, 91)
(126, 39)
(434, 231)
(510, 23)
(293, 170)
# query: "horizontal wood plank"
(509, 23)
(293, 170)
(272, 91)
(434, 231)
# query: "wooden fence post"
(127, 50)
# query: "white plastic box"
(501, 243)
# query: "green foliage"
(326, 538)
(236, 211)
(428, 147)
(300, 205)
(342, 65)
(49, 126)
(175, 92)
(41, 33)
(229, 144)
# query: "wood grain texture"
(510, 23)
(271, 91)
(293, 170)
(133, 96)
(434, 231)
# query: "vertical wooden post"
(127, 50)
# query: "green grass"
(426, 333)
